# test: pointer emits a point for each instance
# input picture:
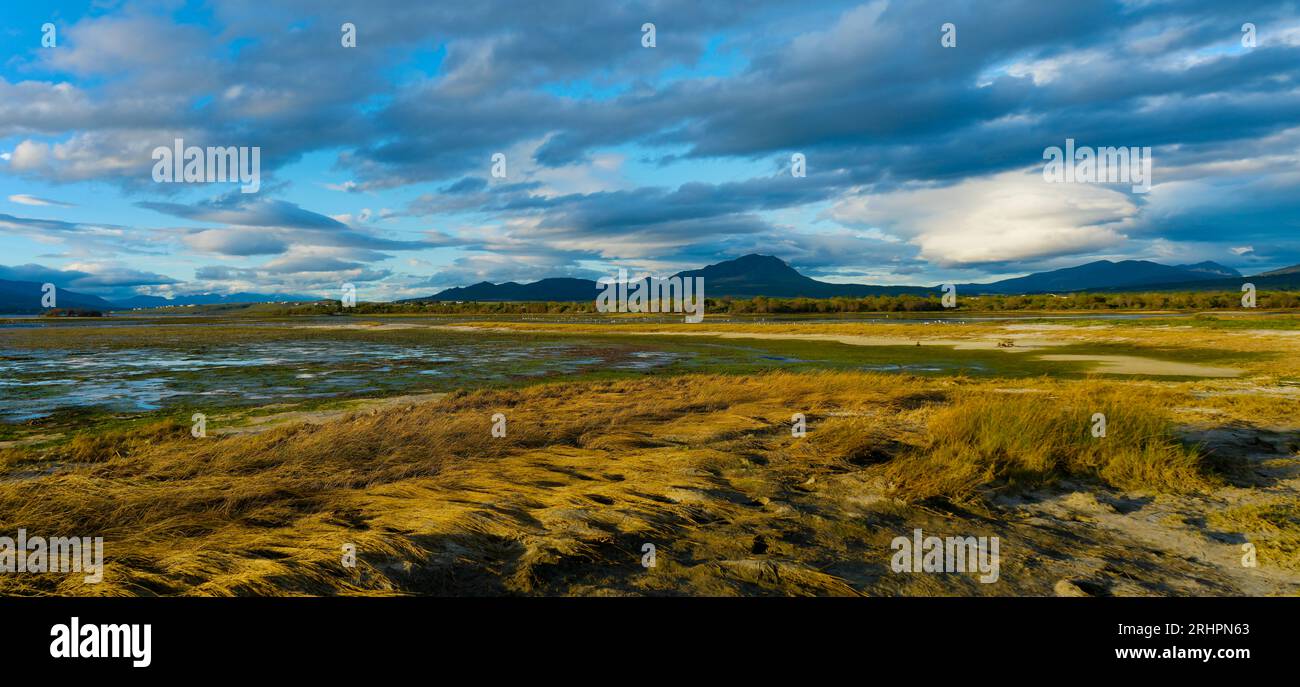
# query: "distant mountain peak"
(759, 259)
(752, 263)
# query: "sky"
(922, 125)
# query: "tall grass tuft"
(95, 447)
(990, 441)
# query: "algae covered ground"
(554, 456)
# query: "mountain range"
(1104, 274)
(24, 297)
(211, 298)
(744, 277)
(765, 275)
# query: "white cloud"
(603, 172)
(24, 199)
(998, 218)
(28, 155)
(90, 155)
(237, 242)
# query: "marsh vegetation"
(619, 435)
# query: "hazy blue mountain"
(1285, 279)
(23, 297)
(211, 298)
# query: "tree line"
(1189, 300)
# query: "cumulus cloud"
(240, 242)
(1002, 218)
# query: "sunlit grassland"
(702, 465)
(696, 457)
(985, 439)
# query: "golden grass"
(985, 439)
(1255, 402)
(1273, 527)
(703, 466)
(94, 447)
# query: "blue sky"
(924, 162)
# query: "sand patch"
(1137, 365)
(973, 344)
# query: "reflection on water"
(35, 383)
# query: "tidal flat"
(55, 373)
(378, 432)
